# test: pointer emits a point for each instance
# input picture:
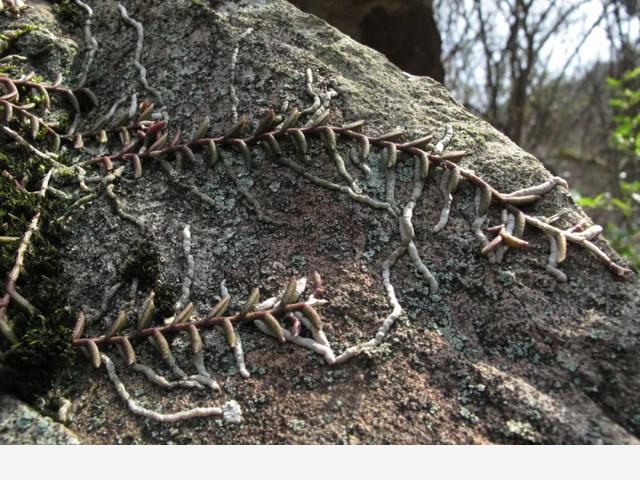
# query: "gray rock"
(22, 425)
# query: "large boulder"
(501, 353)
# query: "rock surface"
(502, 354)
(22, 425)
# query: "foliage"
(626, 103)
(624, 205)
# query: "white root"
(354, 156)
(390, 186)
(203, 377)
(311, 92)
(321, 101)
(448, 198)
(444, 142)
(509, 220)
(390, 319)
(407, 233)
(118, 206)
(90, 41)
(552, 262)
(539, 189)
(313, 345)
(232, 80)
(162, 381)
(239, 355)
(230, 411)
(188, 277)
(142, 71)
(109, 115)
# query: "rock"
(512, 328)
(22, 425)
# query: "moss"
(9, 36)
(28, 366)
(11, 69)
(165, 301)
(143, 264)
(43, 345)
(65, 175)
(69, 12)
(64, 121)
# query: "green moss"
(65, 175)
(165, 301)
(143, 264)
(43, 345)
(69, 12)
(64, 121)
(9, 36)
(11, 69)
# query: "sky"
(465, 76)
(595, 47)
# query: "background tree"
(501, 58)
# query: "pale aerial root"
(162, 381)
(142, 71)
(354, 156)
(230, 411)
(390, 186)
(407, 232)
(238, 353)
(552, 262)
(321, 101)
(173, 178)
(188, 276)
(232, 88)
(358, 197)
(90, 41)
(313, 345)
(391, 318)
(202, 379)
(52, 157)
(319, 343)
(480, 211)
(509, 222)
(118, 206)
(260, 215)
(106, 118)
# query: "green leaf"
(630, 187)
(591, 202)
(624, 207)
(617, 103)
(631, 74)
(613, 83)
